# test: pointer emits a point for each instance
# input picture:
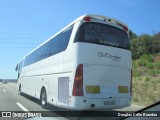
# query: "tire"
(43, 98)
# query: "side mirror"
(17, 66)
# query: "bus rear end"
(103, 74)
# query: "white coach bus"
(86, 65)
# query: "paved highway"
(10, 100)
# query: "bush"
(147, 79)
(134, 64)
(158, 65)
(147, 57)
(150, 58)
(145, 44)
(135, 99)
(150, 65)
(152, 72)
(157, 72)
(142, 62)
(136, 73)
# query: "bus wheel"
(43, 98)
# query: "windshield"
(102, 34)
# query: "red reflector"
(125, 28)
(87, 19)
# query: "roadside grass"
(146, 80)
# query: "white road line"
(4, 90)
(22, 107)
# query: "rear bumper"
(94, 104)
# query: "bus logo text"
(107, 55)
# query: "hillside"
(146, 79)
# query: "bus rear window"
(102, 34)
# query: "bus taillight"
(131, 83)
(124, 27)
(78, 81)
(87, 19)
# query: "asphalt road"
(11, 100)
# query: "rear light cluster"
(124, 27)
(131, 83)
(78, 81)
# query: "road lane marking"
(4, 90)
(22, 107)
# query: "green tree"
(132, 35)
(145, 44)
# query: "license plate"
(110, 102)
(92, 89)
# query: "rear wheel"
(43, 98)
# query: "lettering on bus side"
(109, 56)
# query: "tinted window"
(102, 34)
(56, 45)
(60, 42)
(31, 58)
(44, 51)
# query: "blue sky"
(24, 24)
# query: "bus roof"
(92, 16)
